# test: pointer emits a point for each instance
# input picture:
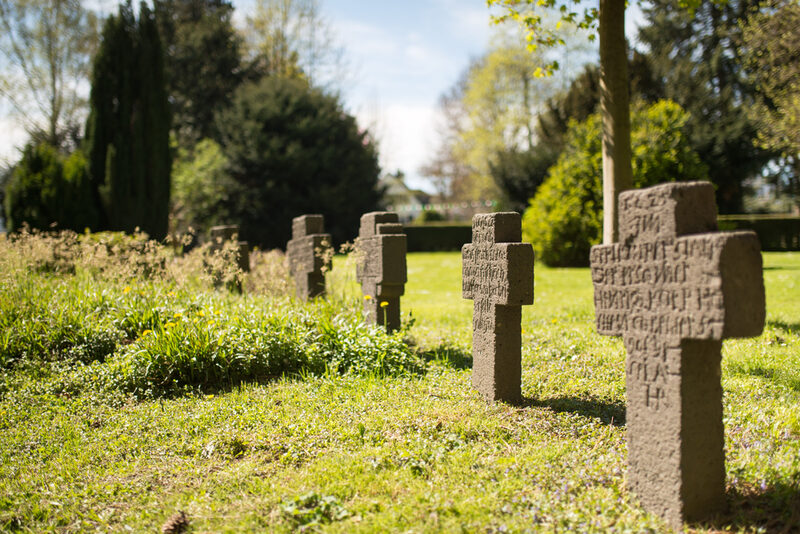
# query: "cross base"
(676, 461)
(496, 365)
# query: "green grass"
(371, 452)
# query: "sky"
(401, 57)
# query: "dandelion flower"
(554, 321)
(177, 315)
(201, 313)
(384, 304)
(169, 324)
(146, 332)
(367, 297)
(125, 291)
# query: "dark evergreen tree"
(127, 133)
(293, 150)
(202, 63)
(697, 59)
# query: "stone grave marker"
(221, 234)
(674, 288)
(381, 269)
(497, 274)
(306, 253)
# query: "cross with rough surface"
(381, 269)
(221, 234)
(306, 253)
(674, 288)
(498, 277)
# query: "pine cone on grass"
(177, 524)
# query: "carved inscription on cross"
(673, 288)
(498, 276)
(307, 255)
(381, 269)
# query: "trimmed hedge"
(438, 237)
(776, 232)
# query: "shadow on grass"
(449, 355)
(610, 413)
(781, 268)
(789, 328)
(772, 509)
(775, 375)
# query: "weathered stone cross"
(306, 253)
(673, 288)
(498, 276)
(221, 234)
(381, 269)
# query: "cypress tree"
(127, 133)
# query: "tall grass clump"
(155, 322)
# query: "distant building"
(409, 204)
(398, 197)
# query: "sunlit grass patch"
(126, 399)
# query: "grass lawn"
(415, 452)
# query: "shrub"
(293, 150)
(172, 333)
(198, 350)
(201, 188)
(565, 218)
(46, 189)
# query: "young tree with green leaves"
(46, 48)
(607, 21)
(490, 118)
(127, 133)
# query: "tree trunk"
(617, 172)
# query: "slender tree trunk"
(617, 172)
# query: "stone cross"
(674, 288)
(221, 234)
(498, 277)
(381, 269)
(306, 253)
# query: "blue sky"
(402, 56)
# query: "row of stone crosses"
(672, 287)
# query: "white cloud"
(12, 138)
(406, 134)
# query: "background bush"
(293, 150)
(47, 189)
(565, 217)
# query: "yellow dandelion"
(146, 332)
(177, 315)
(171, 294)
(210, 396)
(201, 313)
(195, 320)
(126, 290)
(554, 321)
(211, 322)
(384, 304)
(169, 324)
(367, 297)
